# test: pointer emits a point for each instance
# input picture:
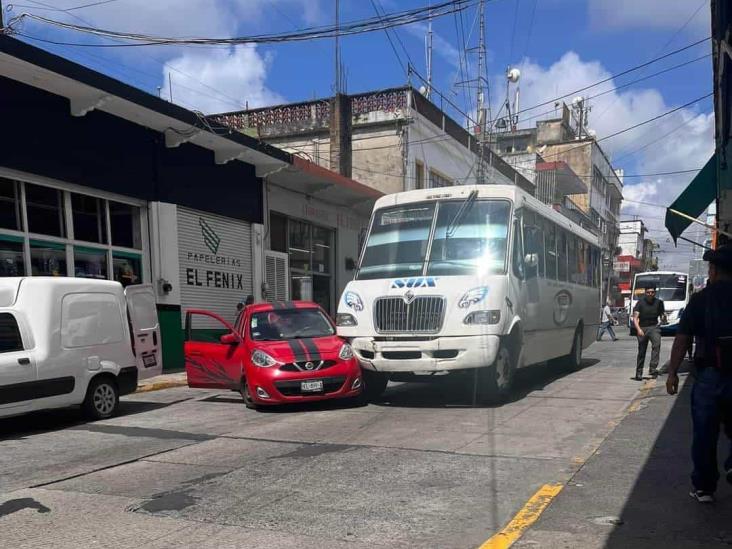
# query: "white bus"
(470, 277)
(672, 288)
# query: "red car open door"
(213, 352)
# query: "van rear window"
(10, 340)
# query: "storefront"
(316, 225)
(48, 228)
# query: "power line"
(371, 24)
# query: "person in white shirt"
(606, 323)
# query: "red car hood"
(303, 349)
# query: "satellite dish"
(423, 90)
(592, 133)
(513, 75)
(577, 100)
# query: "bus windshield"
(462, 245)
(669, 287)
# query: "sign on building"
(215, 258)
(621, 266)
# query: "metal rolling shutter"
(215, 256)
(276, 274)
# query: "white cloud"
(642, 14)
(689, 142)
(440, 46)
(236, 76)
(240, 72)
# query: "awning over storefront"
(694, 200)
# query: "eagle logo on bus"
(416, 282)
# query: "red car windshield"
(289, 324)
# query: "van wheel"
(496, 381)
(246, 395)
(374, 384)
(102, 398)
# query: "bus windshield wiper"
(458, 217)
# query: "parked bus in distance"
(672, 288)
(480, 279)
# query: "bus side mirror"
(531, 260)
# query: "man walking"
(708, 317)
(606, 323)
(646, 315)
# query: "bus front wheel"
(496, 381)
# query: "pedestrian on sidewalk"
(606, 323)
(708, 317)
(646, 316)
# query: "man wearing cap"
(646, 315)
(708, 318)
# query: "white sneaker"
(701, 496)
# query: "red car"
(277, 353)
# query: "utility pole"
(1, 14)
(337, 49)
(428, 47)
(482, 118)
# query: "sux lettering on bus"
(418, 282)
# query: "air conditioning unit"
(276, 276)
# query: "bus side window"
(561, 255)
(533, 251)
(518, 251)
(550, 250)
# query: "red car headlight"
(262, 359)
(346, 352)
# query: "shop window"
(321, 291)
(322, 246)
(90, 263)
(302, 287)
(127, 268)
(12, 262)
(10, 208)
(48, 259)
(90, 218)
(45, 210)
(299, 245)
(278, 233)
(125, 224)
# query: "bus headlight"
(345, 320)
(483, 317)
(471, 297)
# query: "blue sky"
(559, 45)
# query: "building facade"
(121, 185)
(391, 140)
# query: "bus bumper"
(434, 355)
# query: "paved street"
(195, 468)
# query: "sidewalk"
(165, 381)
(634, 492)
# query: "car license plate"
(149, 361)
(311, 386)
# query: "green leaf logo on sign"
(210, 238)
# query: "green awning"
(696, 198)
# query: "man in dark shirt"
(646, 315)
(708, 318)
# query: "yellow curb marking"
(527, 516)
(160, 385)
(533, 508)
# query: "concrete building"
(103, 180)
(632, 238)
(392, 140)
(559, 145)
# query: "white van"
(74, 341)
